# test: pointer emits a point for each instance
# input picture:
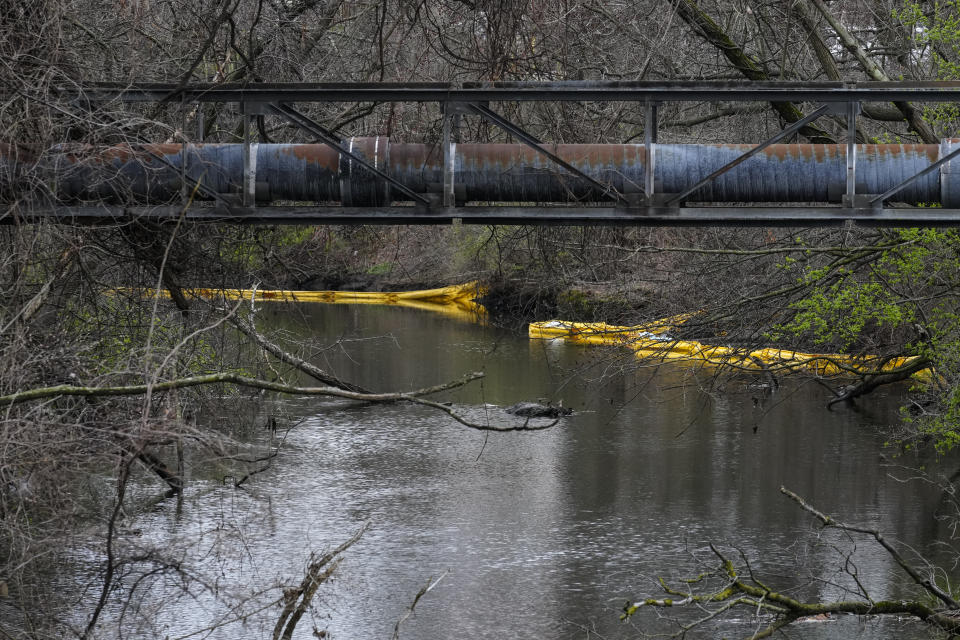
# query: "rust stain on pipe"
(319, 154)
(826, 152)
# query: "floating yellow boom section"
(455, 301)
(647, 341)
(444, 295)
(651, 341)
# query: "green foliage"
(380, 269)
(247, 251)
(944, 428)
(911, 291)
(842, 303)
(885, 138)
(936, 33)
(240, 256)
(839, 313)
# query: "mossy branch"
(753, 594)
(42, 393)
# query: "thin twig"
(431, 583)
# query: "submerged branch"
(297, 600)
(431, 583)
(155, 464)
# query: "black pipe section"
(483, 173)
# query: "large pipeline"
(490, 173)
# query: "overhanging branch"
(310, 369)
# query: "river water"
(540, 534)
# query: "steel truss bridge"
(375, 180)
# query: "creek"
(541, 534)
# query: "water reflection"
(543, 533)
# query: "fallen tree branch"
(155, 464)
(872, 69)
(413, 397)
(732, 590)
(228, 378)
(743, 62)
(431, 583)
(787, 610)
(311, 370)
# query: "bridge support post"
(649, 145)
(248, 194)
(853, 108)
(451, 128)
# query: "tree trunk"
(745, 64)
(873, 70)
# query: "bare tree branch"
(310, 369)
(703, 24)
(924, 582)
(875, 72)
(297, 600)
(233, 378)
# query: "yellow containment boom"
(455, 301)
(444, 295)
(651, 341)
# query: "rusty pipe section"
(490, 173)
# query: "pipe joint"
(359, 187)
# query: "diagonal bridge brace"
(877, 201)
(287, 111)
(536, 145)
(793, 128)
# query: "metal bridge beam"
(819, 92)
(594, 216)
